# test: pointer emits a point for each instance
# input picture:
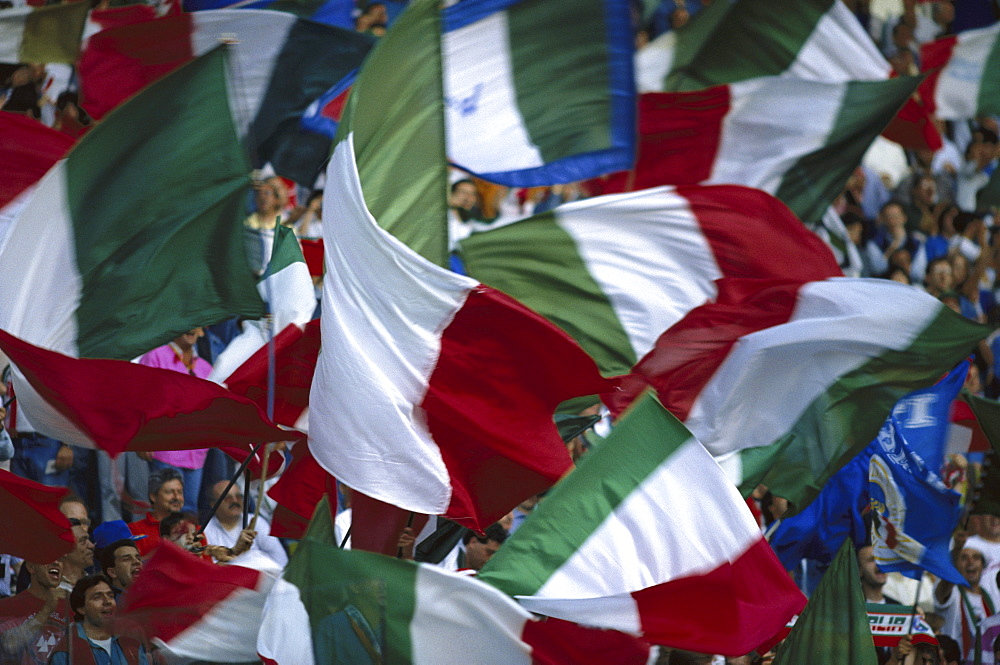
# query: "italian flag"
(616, 271)
(350, 606)
(474, 83)
(193, 609)
(784, 382)
(962, 79)
(36, 530)
(287, 288)
(649, 537)
(447, 384)
(753, 133)
(134, 237)
(278, 65)
(559, 102)
(42, 34)
(813, 40)
(137, 407)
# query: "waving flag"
(330, 12)
(648, 537)
(28, 149)
(34, 528)
(616, 271)
(137, 408)
(348, 606)
(135, 238)
(272, 80)
(42, 34)
(785, 383)
(962, 81)
(323, 115)
(751, 133)
(915, 514)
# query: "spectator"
(974, 174)
(891, 235)
(91, 638)
(121, 562)
(872, 579)
(166, 495)
(480, 549)
(32, 621)
(963, 608)
(226, 526)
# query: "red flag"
(376, 525)
(137, 407)
(296, 350)
(312, 252)
(298, 491)
(33, 527)
(28, 149)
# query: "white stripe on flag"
(478, 84)
(957, 91)
(839, 50)
(865, 317)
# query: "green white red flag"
(962, 81)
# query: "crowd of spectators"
(914, 217)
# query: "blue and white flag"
(924, 416)
(323, 115)
(913, 512)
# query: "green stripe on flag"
(352, 593)
(550, 273)
(156, 216)
(988, 102)
(765, 37)
(640, 442)
(396, 112)
(844, 419)
(536, 50)
(52, 34)
(990, 194)
(285, 252)
(814, 181)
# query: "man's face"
(98, 605)
(870, 574)
(45, 575)
(894, 217)
(477, 553)
(75, 510)
(169, 498)
(464, 197)
(940, 276)
(231, 508)
(128, 563)
(989, 527)
(82, 555)
(970, 565)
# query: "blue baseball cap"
(113, 531)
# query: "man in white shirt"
(224, 529)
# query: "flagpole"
(409, 523)
(916, 601)
(232, 481)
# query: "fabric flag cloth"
(419, 380)
(904, 495)
(616, 271)
(137, 408)
(296, 349)
(890, 622)
(323, 115)
(376, 525)
(990, 628)
(921, 418)
(34, 527)
(478, 89)
(288, 290)
(194, 609)
(348, 606)
(28, 149)
(273, 80)
(647, 536)
(834, 627)
(298, 491)
(134, 238)
(962, 81)
(752, 133)
(503, 66)
(329, 12)
(42, 34)
(785, 382)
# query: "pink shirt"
(166, 357)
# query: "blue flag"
(914, 512)
(818, 530)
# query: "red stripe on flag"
(376, 525)
(300, 488)
(118, 16)
(28, 149)
(119, 62)
(176, 589)
(555, 642)
(33, 527)
(731, 610)
(139, 407)
(312, 252)
(933, 57)
(687, 355)
(733, 219)
(296, 350)
(672, 124)
(501, 372)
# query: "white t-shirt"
(104, 644)
(264, 543)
